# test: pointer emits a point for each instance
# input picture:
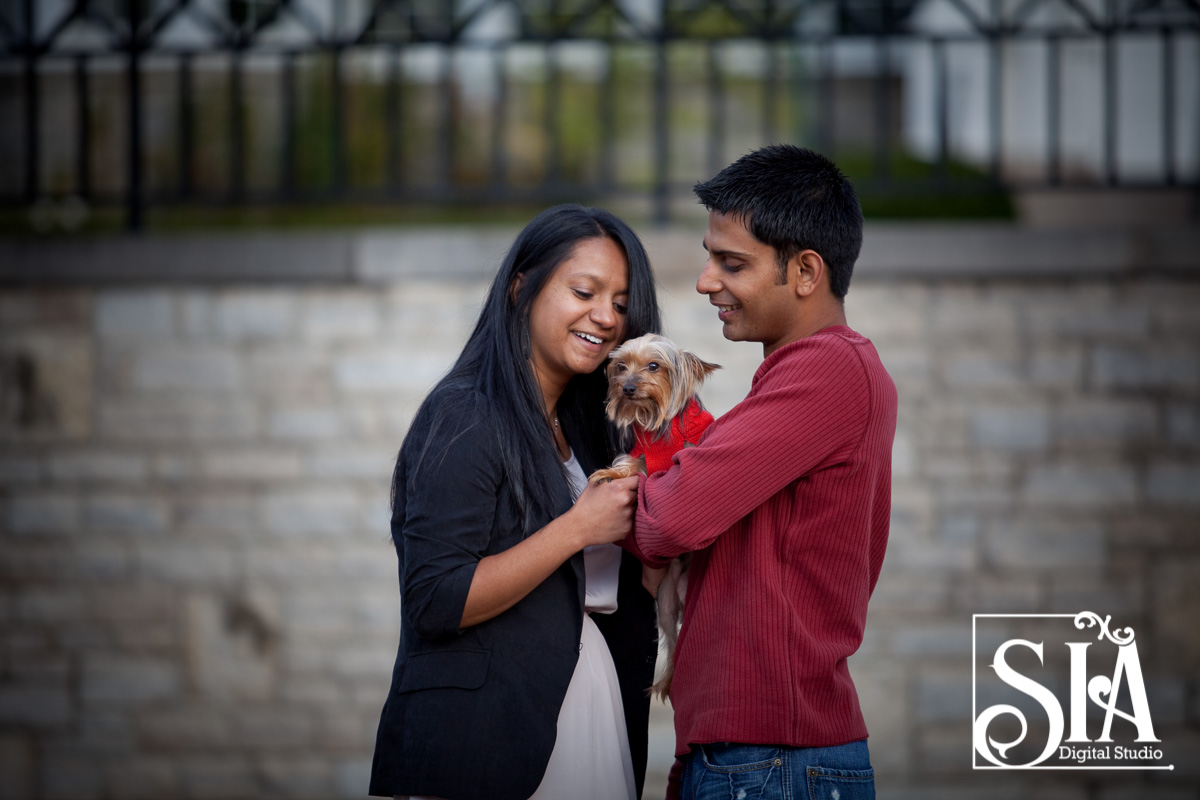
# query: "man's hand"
(652, 579)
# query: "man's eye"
(652, 366)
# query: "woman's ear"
(514, 288)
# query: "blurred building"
(269, 102)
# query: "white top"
(602, 562)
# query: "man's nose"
(707, 283)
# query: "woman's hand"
(602, 514)
(604, 511)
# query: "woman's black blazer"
(472, 713)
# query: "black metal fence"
(141, 102)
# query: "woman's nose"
(603, 314)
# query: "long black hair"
(495, 362)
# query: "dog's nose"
(629, 389)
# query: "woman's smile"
(590, 338)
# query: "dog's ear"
(697, 368)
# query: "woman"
(516, 676)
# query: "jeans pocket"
(740, 772)
(840, 784)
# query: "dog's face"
(650, 381)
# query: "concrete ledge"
(890, 251)
(212, 258)
(1009, 251)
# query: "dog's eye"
(619, 367)
(652, 366)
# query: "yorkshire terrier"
(652, 400)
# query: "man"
(785, 501)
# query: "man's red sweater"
(786, 502)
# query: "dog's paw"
(613, 473)
(605, 475)
(624, 467)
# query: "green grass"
(915, 189)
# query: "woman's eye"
(621, 309)
(582, 295)
(652, 366)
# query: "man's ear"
(810, 271)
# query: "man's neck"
(828, 315)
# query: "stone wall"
(197, 590)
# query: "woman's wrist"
(566, 534)
(577, 533)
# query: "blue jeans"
(729, 771)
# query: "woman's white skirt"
(591, 759)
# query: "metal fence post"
(662, 199)
(134, 201)
(237, 127)
(186, 144)
(32, 108)
(83, 158)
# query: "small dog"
(652, 385)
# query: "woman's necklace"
(560, 444)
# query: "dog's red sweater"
(786, 504)
(685, 431)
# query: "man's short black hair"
(792, 199)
